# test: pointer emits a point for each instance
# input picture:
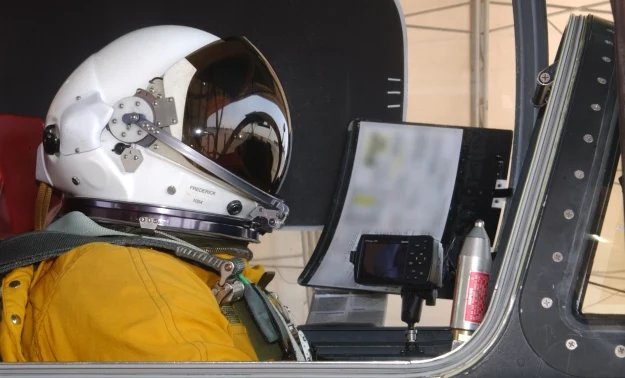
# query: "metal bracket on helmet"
(273, 218)
(149, 223)
(150, 102)
(131, 159)
(277, 210)
(163, 108)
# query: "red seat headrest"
(19, 138)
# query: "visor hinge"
(164, 108)
(274, 219)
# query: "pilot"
(168, 146)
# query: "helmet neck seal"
(150, 218)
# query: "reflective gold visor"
(236, 113)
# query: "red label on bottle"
(476, 297)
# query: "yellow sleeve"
(101, 302)
(14, 299)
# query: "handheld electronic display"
(394, 260)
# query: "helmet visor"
(236, 113)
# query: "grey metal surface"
(131, 159)
(164, 109)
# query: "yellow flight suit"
(101, 302)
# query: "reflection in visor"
(236, 113)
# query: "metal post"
(531, 45)
(479, 62)
(309, 242)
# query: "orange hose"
(42, 205)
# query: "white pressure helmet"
(171, 127)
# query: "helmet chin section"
(150, 218)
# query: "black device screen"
(385, 260)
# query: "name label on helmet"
(199, 195)
(202, 190)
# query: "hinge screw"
(557, 257)
(547, 302)
(571, 344)
(545, 77)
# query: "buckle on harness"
(224, 291)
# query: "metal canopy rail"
(585, 117)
